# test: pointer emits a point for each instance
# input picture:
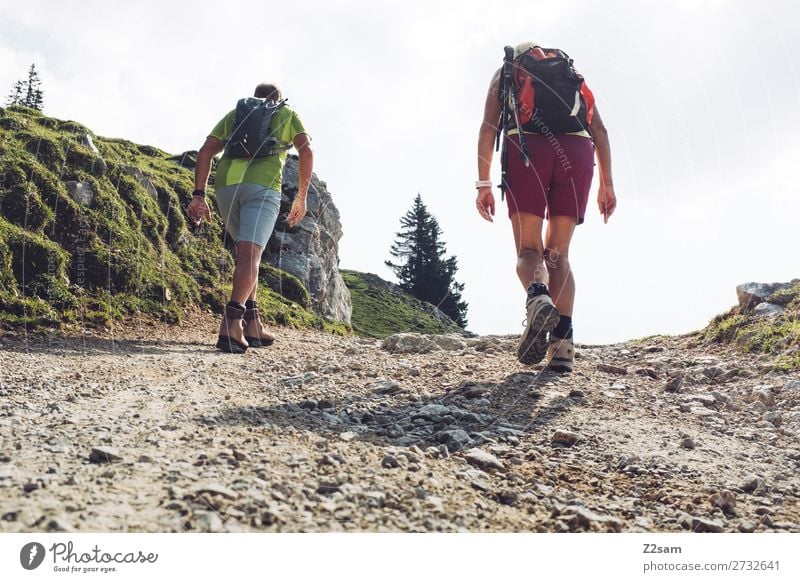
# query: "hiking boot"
(542, 317)
(560, 355)
(234, 312)
(263, 338)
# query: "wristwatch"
(201, 193)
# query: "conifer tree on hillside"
(422, 268)
(17, 94)
(33, 96)
(28, 93)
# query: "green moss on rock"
(28, 311)
(20, 202)
(284, 284)
(45, 149)
(32, 255)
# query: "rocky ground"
(156, 431)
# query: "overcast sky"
(701, 100)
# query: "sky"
(700, 98)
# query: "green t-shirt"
(286, 125)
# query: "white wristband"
(483, 184)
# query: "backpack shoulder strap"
(588, 98)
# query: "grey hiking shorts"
(249, 211)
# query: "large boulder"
(751, 294)
(310, 250)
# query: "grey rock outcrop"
(80, 192)
(766, 309)
(143, 179)
(310, 251)
(751, 294)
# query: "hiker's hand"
(485, 203)
(297, 212)
(198, 210)
(606, 201)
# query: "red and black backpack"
(551, 95)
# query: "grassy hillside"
(380, 310)
(124, 248)
(776, 336)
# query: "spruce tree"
(16, 95)
(422, 268)
(34, 97)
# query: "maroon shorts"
(557, 181)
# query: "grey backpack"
(253, 133)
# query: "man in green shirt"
(248, 196)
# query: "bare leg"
(562, 283)
(530, 250)
(541, 315)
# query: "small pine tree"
(422, 269)
(16, 95)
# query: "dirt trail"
(321, 433)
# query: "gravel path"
(156, 431)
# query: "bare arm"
(486, 136)
(306, 167)
(203, 168)
(306, 156)
(606, 198)
(198, 207)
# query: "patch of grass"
(26, 311)
(771, 337)
(380, 311)
(778, 336)
(724, 328)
